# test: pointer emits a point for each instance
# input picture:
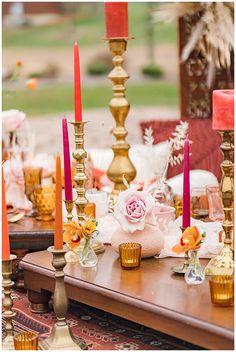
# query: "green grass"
(88, 30)
(59, 99)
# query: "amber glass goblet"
(45, 202)
(130, 255)
(33, 179)
(199, 203)
(26, 341)
(222, 290)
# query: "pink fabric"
(205, 149)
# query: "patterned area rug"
(100, 330)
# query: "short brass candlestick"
(223, 263)
(119, 107)
(61, 337)
(181, 269)
(69, 208)
(8, 314)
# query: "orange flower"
(19, 63)
(32, 84)
(190, 240)
(89, 228)
(73, 234)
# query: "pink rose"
(133, 208)
(12, 120)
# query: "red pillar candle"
(223, 110)
(116, 19)
(5, 235)
(58, 240)
(186, 186)
(67, 166)
(77, 89)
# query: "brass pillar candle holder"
(223, 263)
(119, 107)
(181, 269)
(69, 208)
(8, 314)
(61, 337)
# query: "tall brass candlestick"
(119, 107)
(223, 263)
(181, 269)
(61, 337)
(8, 314)
(80, 178)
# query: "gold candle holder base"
(61, 337)
(69, 208)
(181, 269)
(119, 107)
(223, 263)
(8, 314)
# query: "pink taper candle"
(77, 90)
(67, 166)
(186, 186)
(223, 110)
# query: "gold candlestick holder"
(80, 178)
(119, 107)
(223, 263)
(8, 314)
(61, 337)
(181, 269)
(69, 208)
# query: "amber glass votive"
(26, 341)
(222, 290)
(130, 255)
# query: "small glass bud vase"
(194, 274)
(87, 256)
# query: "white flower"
(12, 120)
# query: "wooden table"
(28, 235)
(150, 296)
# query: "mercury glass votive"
(26, 341)
(130, 255)
(222, 290)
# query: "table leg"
(17, 272)
(39, 301)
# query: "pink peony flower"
(12, 120)
(133, 208)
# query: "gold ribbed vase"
(119, 107)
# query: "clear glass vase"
(87, 256)
(162, 192)
(194, 274)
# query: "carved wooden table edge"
(194, 330)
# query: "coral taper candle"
(5, 235)
(77, 89)
(223, 110)
(58, 241)
(116, 19)
(67, 165)
(186, 186)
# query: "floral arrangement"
(134, 209)
(74, 232)
(191, 239)
(213, 34)
(12, 120)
